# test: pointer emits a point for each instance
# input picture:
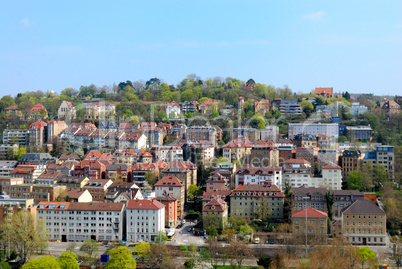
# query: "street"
(183, 237)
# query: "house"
(356, 108)
(184, 171)
(121, 192)
(28, 172)
(95, 110)
(109, 125)
(145, 219)
(69, 157)
(215, 211)
(262, 106)
(140, 170)
(171, 203)
(118, 172)
(174, 186)
(132, 141)
(188, 107)
(173, 110)
(66, 111)
(208, 107)
(331, 177)
(97, 221)
(305, 140)
(308, 154)
(297, 172)
(79, 195)
(38, 111)
(325, 92)
(217, 181)
(167, 153)
(49, 178)
(314, 220)
(12, 112)
(237, 149)
(390, 108)
(218, 194)
(41, 158)
(92, 169)
(257, 202)
(364, 223)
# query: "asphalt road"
(183, 237)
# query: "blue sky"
(353, 46)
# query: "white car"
(183, 221)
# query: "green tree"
(20, 152)
(151, 178)
(367, 255)
(12, 153)
(264, 262)
(89, 247)
(162, 237)
(379, 174)
(192, 191)
(329, 199)
(342, 139)
(246, 229)
(45, 262)
(258, 122)
(354, 180)
(277, 114)
(68, 260)
(120, 258)
(308, 107)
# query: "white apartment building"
(331, 129)
(16, 136)
(269, 133)
(66, 111)
(259, 175)
(144, 220)
(173, 110)
(331, 177)
(6, 167)
(77, 222)
(168, 153)
(296, 172)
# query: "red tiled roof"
(11, 108)
(38, 107)
(239, 143)
(215, 205)
(93, 154)
(76, 193)
(297, 161)
(311, 212)
(330, 166)
(151, 204)
(37, 125)
(327, 91)
(170, 181)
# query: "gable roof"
(151, 204)
(215, 205)
(170, 181)
(311, 213)
(363, 207)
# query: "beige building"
(364, 223)
(198, 133)
(38, 133)
(94, 110)
(215, 211)
(184, 171)
(314, 220)
(12, 112)
(264, 153)
(257, 202)
(54, 128)
(237, 149)
(37, 192)
(79, 195)
(11, 207)
(174, 186)
(66, 111)
(262, 106)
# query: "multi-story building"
(66, 111)
(331, 129)
(258, 175)
(359, 133)
(175, 187)
(171, 203)
(390, 108)
(11, 207)
(49, 178)
(217, 209)
(6, 167)
(308, 154)
(94, 110)
(296, 172)
(77, 222)
(350, 161)
(208, 107)
(269, 133)
(356, 108)
(118, 172)
(139, 171)
(325, 112)
(327, 156)
(173, 110)
(237, 149)
(28, 172)
(54, 128)
(12, 112)
(197, 133)
(305, 141)
(383, 155)
(37, 192)
(79, 196)
(290, 107)
(167, 153)
(364, 223)
(145, 219)
(16, 136)
(246, 132)
(188, 107)
(326, 141)
(257, 202)
(132, 141)
(38, 112)
(184, 171)
(38, 133)
(73, 182)
(218, 181)
(9, 181)
(154, 136)
(98, 188)
(6, 148)
(198, 151)
(93, 169)
(331, 177)
(314, 220)
(316, 198)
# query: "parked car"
(183, 221)
(257, 240)
(189, 229)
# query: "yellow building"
(215, 212)
(237, 149)
(314, 220)
(10, 207)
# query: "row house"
(145, 219)
(154, 136)
(237, 149)
(112, 139)
(174, 186)
(82, 137)
(316, 198)
(139, 171)
(28, 172)
(130, 156)
(98, 138)
(98, 188)
(207, 107)
(264, 153)
(67, 167)
(77, 222)
(66, 111)
(207, 196)
(133, 141)
(118, 172)
(38, 158)
(255, 201)
(93, 169)
(258, 176)
(11, 207)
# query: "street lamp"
(306, 198)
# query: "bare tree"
(239, 251)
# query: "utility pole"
(306, 198)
